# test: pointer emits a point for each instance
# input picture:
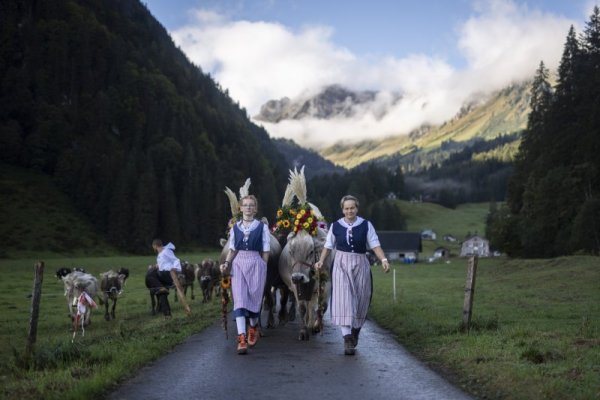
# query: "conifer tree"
(532, 141)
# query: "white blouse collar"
(358, 221)
(251, 227)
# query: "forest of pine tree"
(553, 199)
(95, 94)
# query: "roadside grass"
(108, 353)
(535, 327)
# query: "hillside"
(463, 221)
(298, 156)
(38, 219)
(502, 112)
(96, 95)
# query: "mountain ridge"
(484, 116)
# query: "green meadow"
(109, 351)
(535, 328)
(535, 331)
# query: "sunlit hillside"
(504, 112)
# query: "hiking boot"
(242, 347)
(252, 336)
(355, 333)
(349, 345)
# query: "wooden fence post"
(469, 292)
(35, 308)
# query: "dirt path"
(206, 366)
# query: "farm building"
(428, 234)
(475, 246)
(441, 252)
(402, 246)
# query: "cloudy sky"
(437, 53)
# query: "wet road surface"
(206, 366)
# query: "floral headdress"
(305, 216)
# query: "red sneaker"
(242, 347)
(252, 336)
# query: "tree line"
(95, 94)
(553, 197)
(376, 188)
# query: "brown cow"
(208, 275)
(111, 285)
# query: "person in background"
(351, 279)
(166, 261)
(159, 278)
(246, 262)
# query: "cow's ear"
(223, 242)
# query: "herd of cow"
(111, 284)
(289, 270)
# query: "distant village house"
(401, 246)
(475, 246)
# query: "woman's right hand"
(319, 265)
(223, 268)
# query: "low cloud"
(258, 61)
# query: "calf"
(77, 283)
(209, 276)
(111, 285)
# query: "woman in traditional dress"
(351, 280)
(246, 262)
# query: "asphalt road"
(206, 366)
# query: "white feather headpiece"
(245, 190)
(298, 184)
(233, 202)
(288, 196)
(316, 210)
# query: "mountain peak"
(330, 102)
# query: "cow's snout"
(299, 278)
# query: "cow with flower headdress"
(305, 242)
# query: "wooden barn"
(401, 246)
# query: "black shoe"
(355, 333)
(349, 345)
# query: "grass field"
(108, 352)
(536, 324)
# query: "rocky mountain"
(332, 102)
(484, 117)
